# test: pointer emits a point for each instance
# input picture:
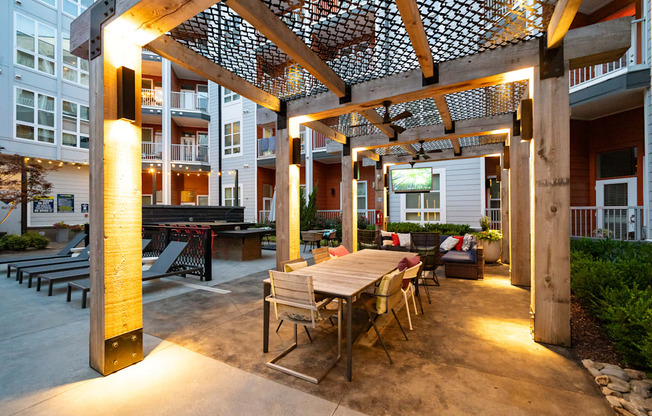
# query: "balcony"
(189, 153)
(186, 101)
(583, 77)
(618, 223)
(266, 147)
(152, 151)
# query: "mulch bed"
(589, 338)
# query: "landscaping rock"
(602, 380)
(619, 385)
(624, 412)
(594, 371)
(640, 388)
(608, 392)
(633, 408)
(588, 363)
(634, 374)
(615, 371)
(598, 366)
(641, 401)
(614, 401)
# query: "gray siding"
(214, 138)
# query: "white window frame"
(78, 134)
(77, 69)
(357, 195)
(37, 24)
(232, 187)
(232, 97)
(52, 6)
(151, 197)
(232, 147)
(489, 198)
(35, 124)
(80, 7)
(201, 196)
(442, 200)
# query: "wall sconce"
(506, 158)
(332, 191)
(499, 173)
(356, 171)
(525, 115)
(296, 152)
(126, 94)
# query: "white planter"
(62, 235)
(491, 251)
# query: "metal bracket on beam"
(123, 350)
(516, 124)
(457, 154)
(551, 61)
(394, 138)
(431, 80)
(282, 117)
(346, 147)
(347, 96)
(452, 129)
(100, 13)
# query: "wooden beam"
(349, 206)
(504, 212)
(288, 233)
(409, 148)
(274, 29)
(519, 207)
(369, 154)
(456, 145)
(185, 57)
(561, 20)
(377, 120)
(414, 26)
(444, 112)
(469, 153)
(329, 132)
(550, 211)
(141, 21)
(476, 71)
(609, 9)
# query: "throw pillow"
(449, 243)
(396, 240)
(388, 242)
(386, 238)
(460, 241)
(338, 251)
(383, 289)
(405, 240)
(468, 240)
(408, 263)
(295, 266)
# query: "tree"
(308, 208)
(13, 168)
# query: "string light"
(39, 161)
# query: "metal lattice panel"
(487, 101)
(359, 40)
(436, 145)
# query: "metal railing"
(494, 217)
(634, 56)
(186, 100)
(332, 214)
(152, 98)
(263, 216)
(152, 151)
(318, 141)
(189, 153)
(618, 223)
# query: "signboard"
(43, 205)
(84, 208)
(65, 203)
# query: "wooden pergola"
(478, 78)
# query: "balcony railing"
(152, 151)
(263, 216)
(183, 100)
(266, 146)
(318, 141)
(618, 223)
(332, 214)
(494, 217)
(634, 56)
(189, 153)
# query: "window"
(494, 192)
(73, 69)
(229, 96)
(74, 125)
(34, 116)
(52, 3)
(617, 164)
(76, 7)
(202, 97)
(362, 196)
(202, 146)
(232, 138)
(302, 136)
(35, 45)
(202, 200)
(268, 191)
(229, 196)
(425, 207)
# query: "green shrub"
(613, 280)
(36, 240)
(14, 242)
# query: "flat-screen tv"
(412, 180)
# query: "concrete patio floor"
(471, 353)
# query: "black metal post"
(154, 186)
(23, 196)
(236, 189)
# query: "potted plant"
(62, 231)
(490, 240)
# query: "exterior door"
(616, 201)
(187, 149)
(188, 99)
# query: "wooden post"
(349, 205)
(504, 215)
(550, 210)
(116, 322)
(287, 196)
(519, 204)
(380, 194)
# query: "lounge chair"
(64, 252)
(160, 268)
(51, 268)
(82, 257)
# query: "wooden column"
(115, 212)
(519, 204)
(288, 222)
(550, 210)
(504, 215)
(349, 205)
(379, 187)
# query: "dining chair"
(290, 266)
(427, 245)
(312, 238)
(407, 288)
(321, 255)
(386, 296)
(293, 297)
(331, 238)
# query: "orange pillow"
(460, 241)
(338, 251)
(395, 240)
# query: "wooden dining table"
(343, 278)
